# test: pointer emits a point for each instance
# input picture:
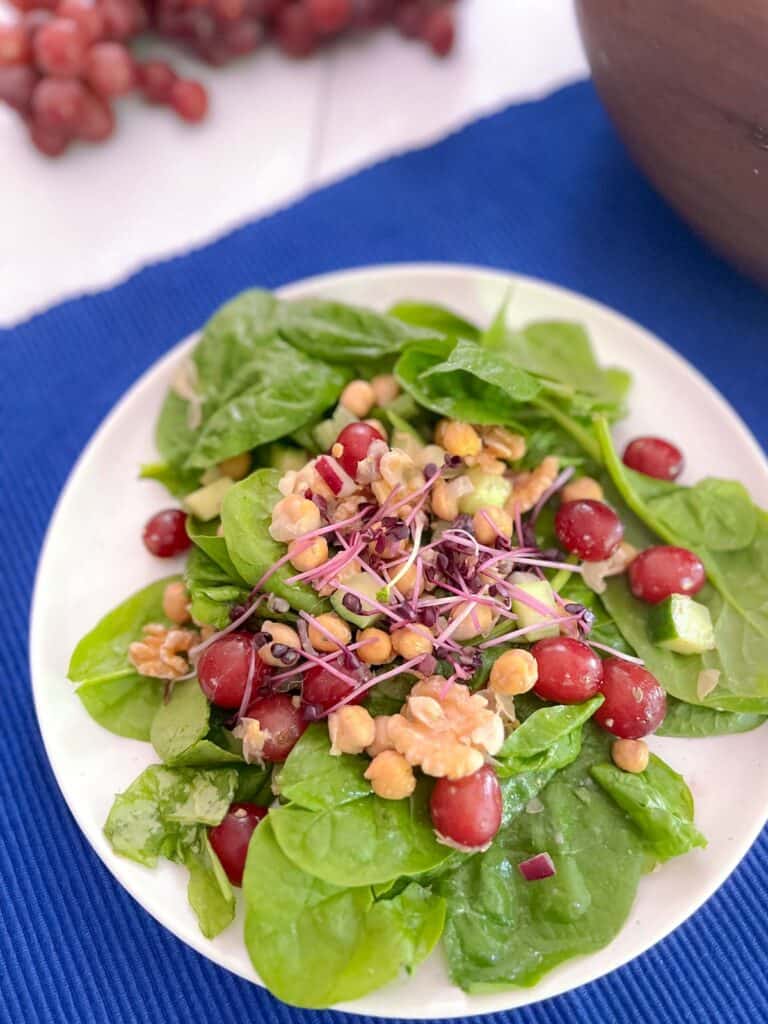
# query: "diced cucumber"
(364, 586)
(489, 489)
(205, 503)
(680, 624)
(540, 591)
(326, 432)
(284, 457)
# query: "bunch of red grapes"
(63, 63)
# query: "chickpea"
(332, 624)
(236, 467)
(176, 603)
(292, 517)
(581, 489)
(516, 671)
(381, 740)
(475, 622)
(411, 641)
(351, 730)
(376, 646)
(489, 522)
(391, 776)
(630, 755)
(407, 582)
(445, 504)
(385, 388)
(460, 439)
(308, 555)
(281, 633)
(358, 398)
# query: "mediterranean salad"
(429, 615)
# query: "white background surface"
(277, 129)
(89, 530)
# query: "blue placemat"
(544, 189)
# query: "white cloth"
(278, 128)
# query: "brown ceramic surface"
(686, 84)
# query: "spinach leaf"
(174, 437)
(501, 930)
(690, 720)
(112, 691)
(435, 318)
(209, 890)
(549, 738)
(246, 515)
(315, 944)
(159, 814)
(206, 537)
(212, 590)
(178, 482)
(181, 731)
(737, 597)
(315, 780)
(459, 394)
(339, 333)
(166, 812)
(494, 368)
(362, 842)
(658, 802)
(254, 783)
(278, 391)
(387, 698)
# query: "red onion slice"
(537, 867)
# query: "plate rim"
(329, 279)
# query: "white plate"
(93, 557)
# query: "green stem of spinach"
(581, 434)
(560, 579)
(110, 677)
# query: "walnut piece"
(160, 653)
(529, 487)
(445, 729)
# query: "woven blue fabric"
(544, 189)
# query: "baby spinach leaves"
(548, 738)
(166, 812)
(315, 944)
(691, 720)
(733, 545)
(658, 802)
(112, 691)
(437, 318)
(246, 516)
(213, 590)
(501, 930)
(336, 829)
(180, 731)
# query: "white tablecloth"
(278, 128)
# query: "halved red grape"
(356, 439)
(660, 571)
(109, 69)
(165, 534)
(590, 529)
(569, 671)
(655, 457)
(60, 48)
(280, 717)
(295, 31)
(224, 668)
(189, 99)
(635, 704)
(231, 837)
(58, 103)
(322, 689)
(467, 811)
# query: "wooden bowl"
(686, 84)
